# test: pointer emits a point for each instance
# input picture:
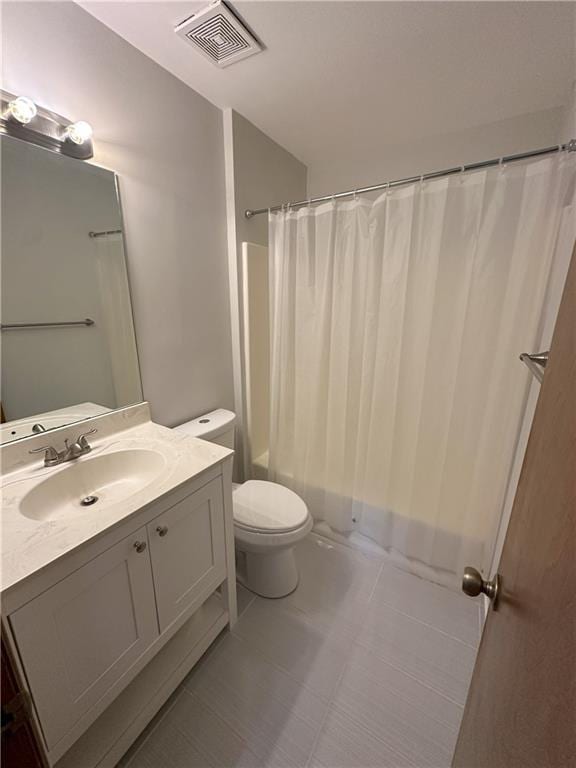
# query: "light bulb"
(79, 132)
(22, 109)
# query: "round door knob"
(139, 546)
(162, 530)
(473, 585)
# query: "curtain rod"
(570, 146)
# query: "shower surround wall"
(166, 143)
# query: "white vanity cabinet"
(188, 553)
(100, 621)
(77, 638)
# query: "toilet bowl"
(269, 519)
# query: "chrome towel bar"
(105, 232)
(536, 363)
(64, 324)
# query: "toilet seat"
(268, 508)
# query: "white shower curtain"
(396, 325)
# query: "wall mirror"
(68, 345)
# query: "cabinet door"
(187, 547)
(77, 638)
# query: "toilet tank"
(216, 426)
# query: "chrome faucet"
(80, 447)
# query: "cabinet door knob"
(162, 530)
(139, 546)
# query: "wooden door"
(79, 636)
(521, 707)
(188, 552)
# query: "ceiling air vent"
(219, 35)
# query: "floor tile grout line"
(335, 689)
(373, 590)
(383, 565)
(194, 743)
(284, 671)
(430, 626)
(397, 749)
(408, 674)
(253, 597)
(335, 708)
(327, 713)
(224, 720)
(200, 700)
(282, 703)
(178, 692)
(431, 737)
(415, 705)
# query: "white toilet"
(269, 519)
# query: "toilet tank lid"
(210, 424)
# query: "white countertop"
(29, 545)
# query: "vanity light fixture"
(78, 132)
(22, 109)
(22, 118)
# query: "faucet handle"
(42, 448)
(50, 453)
(82, 442)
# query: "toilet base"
(268, 574)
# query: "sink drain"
(87, 501)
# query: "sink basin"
(91, 483)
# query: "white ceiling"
(340, 73)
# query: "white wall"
(484, 142)
(259, 173)
(266, 174)
(166, 143)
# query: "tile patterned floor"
(363, 665)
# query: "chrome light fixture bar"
(21, 118)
